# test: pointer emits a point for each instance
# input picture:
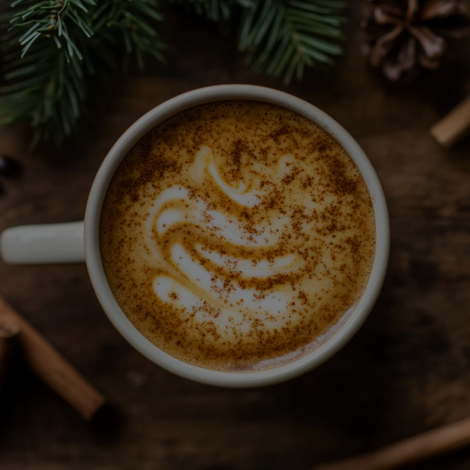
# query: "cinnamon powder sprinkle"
(244, 277)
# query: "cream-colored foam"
(237, 234)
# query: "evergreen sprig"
(54, 52)
(282, 37)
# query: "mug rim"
(118, 318)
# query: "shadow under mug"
(79, 241)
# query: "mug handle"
(43, 244)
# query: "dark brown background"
(407, 370)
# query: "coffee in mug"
(237, 235)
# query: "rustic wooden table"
(407, 370)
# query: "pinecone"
(405, 35)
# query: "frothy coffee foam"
(236, 234)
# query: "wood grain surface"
(406, 371)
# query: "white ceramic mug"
(79, 242)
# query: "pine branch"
(56, 52)
(40, 85)
(282, 37)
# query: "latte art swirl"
(201, 278)
(233, 241)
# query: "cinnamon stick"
(45, 361)
(454, 126)
(414, 449)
